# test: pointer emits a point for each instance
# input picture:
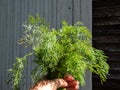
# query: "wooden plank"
(113, 56)
(111, 48)
(96, 0)
(102, 21)
(106, 31)
(106, 39)
(110, 84)
(111, 76)
(106, 36)
(106, 12)
(106, 27)
(106, 3)
(114, 64)
(114, 74)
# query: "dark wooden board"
(106, 3)
(106, 36)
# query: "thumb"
(61, 83)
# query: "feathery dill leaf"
(67, 50)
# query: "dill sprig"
(67, 50)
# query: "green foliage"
(67, 50)
(17, 71)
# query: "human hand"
(71, 83)
(67, 82)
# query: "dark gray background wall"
(13, 13)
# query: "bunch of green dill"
(67, 50)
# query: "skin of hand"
(67, 82)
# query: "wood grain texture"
(108, 47)
(106, 12)
(102, 21)
(105, 3)
(106, 36)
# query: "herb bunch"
(67, 50)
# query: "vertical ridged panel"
(15, 12)
(86, 16)
(86, 12)
(76, 10)
(64, 11)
